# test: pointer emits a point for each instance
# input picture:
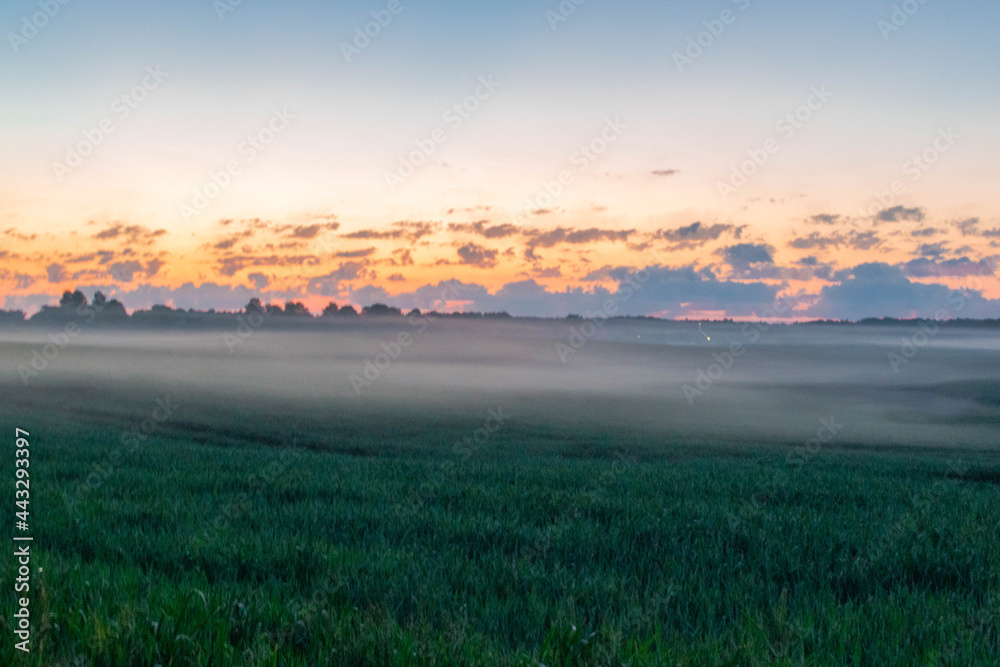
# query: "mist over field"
(883, 385)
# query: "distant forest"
(75, 307)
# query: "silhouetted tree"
(72, 299)
(331, 309)
(254, 306)
(99, 299)
(274, 309)
(297, 308)
(112, 308)
(414, 313)
(347, 310)
(11, 315)
(380, 309)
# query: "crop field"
(196, 506)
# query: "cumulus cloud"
(864, 240)
(309, 231)
(484, 229)
(354, 254)
(259, 280)
(925, 267)
(673, 292)
(476, 255)
(230, 266)
(817, 240)
(135, 234)
(881, 290)
(56, 273)
(696, 234)
(329, 284)
(742, 255)
(403, 229)
(900, 213)
(547, 239)
(24, 281)
(932, 250)
(968, 227)
(125, 271)
(824, 219)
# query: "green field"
(236, 535)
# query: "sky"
(533, 156)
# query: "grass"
(236, 535)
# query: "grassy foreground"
(247, 541)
